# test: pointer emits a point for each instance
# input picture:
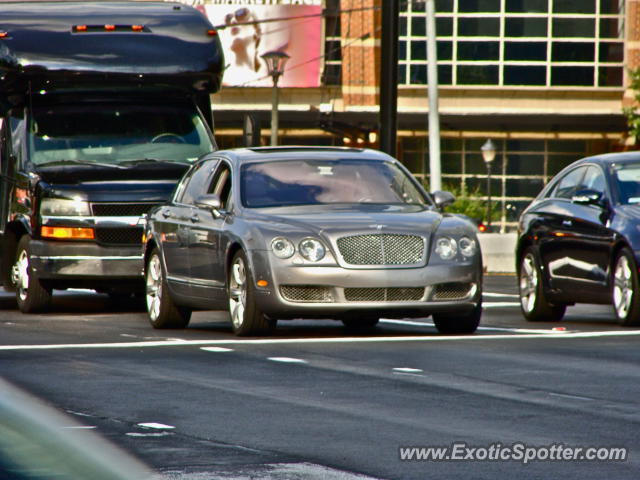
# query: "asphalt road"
(312, 402)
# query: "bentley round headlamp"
(446, 248)
(312, 249)
(468, 246)
(282, 247)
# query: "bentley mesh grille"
(451, 291)
(120, 209)
(395, 294)
(119, 236)
(306, 293)
(382, 249)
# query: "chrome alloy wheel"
(528, 283)
(20, 274)
(237, 292)
(154, 287)
(622, 287)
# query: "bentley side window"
(196, 183)
(221, 185)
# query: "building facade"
(543, 79)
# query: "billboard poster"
(249, 28)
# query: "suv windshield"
(108, 134)
(313, 182)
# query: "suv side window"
(567, 185)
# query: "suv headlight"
(60, 207)
(312, 249)
(446, 248)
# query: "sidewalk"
(498, 252)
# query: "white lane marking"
(287, 360)
(573, 397)
(407, 370)
(497, 329)
(500, 304)
(216, 349)
(497, 295)
(157, 426)
(298, 341)
(79, 427)
(159, 434)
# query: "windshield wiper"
(146, 161)
(78, 162)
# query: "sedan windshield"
(315, 182)
(627, 177)
(113, 134)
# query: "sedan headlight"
(312, 249)
(282, 247)
(468, 246)
(60, 207)
(446, 248)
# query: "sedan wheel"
(533, 302)
(31, 295)
(162, 311)
(246, 317)
(625, 281)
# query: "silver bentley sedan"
(309, 232)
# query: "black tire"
(32, 296)
(624, 289)
(8, 258)
(246, 318)
(533, 302)
(460, 324)
(161, 310)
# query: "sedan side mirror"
(210, 201)
(443, 199)
(588, 197)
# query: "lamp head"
(488, 152)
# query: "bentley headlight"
(468, 246)
(282, 247)
(60, 207)
(446, 248)
(312, 249)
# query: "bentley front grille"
(395, 294)
(306, 293)
(451, 291)
(382, 249)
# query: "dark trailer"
(104, 105)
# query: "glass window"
(317, 182)
(444, 50)
(610, 6)
(402, 50)
(444, 26)
(627, 178)
(419, 50)
(525, 75)
(536, 51)
(574, 27)
(418, 26)
(525, 27)
(556, 163)
(418, 74)
(529, 187)
(477, 74)
(610, 76)
(479, 6)
(593, 180)
(577, 146)
(451, 163)
(402, 74)
(572, 52)
(197, 183)
(521, 164)
(572, 76)
(574, 6)
(566, 186)
(525, 145)
(478, 50)
(611, 28)
(418, 5)
(445, 74)
(478, 27)
(611, 52)
(403, 27)
(444, 5)
(527, 6)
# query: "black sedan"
(579, 240)
(281, 233)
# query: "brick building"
(544, 79)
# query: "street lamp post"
(488, 155)
(275, 61)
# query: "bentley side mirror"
(443, 199)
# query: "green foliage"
(633, 117)
(471, 204)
